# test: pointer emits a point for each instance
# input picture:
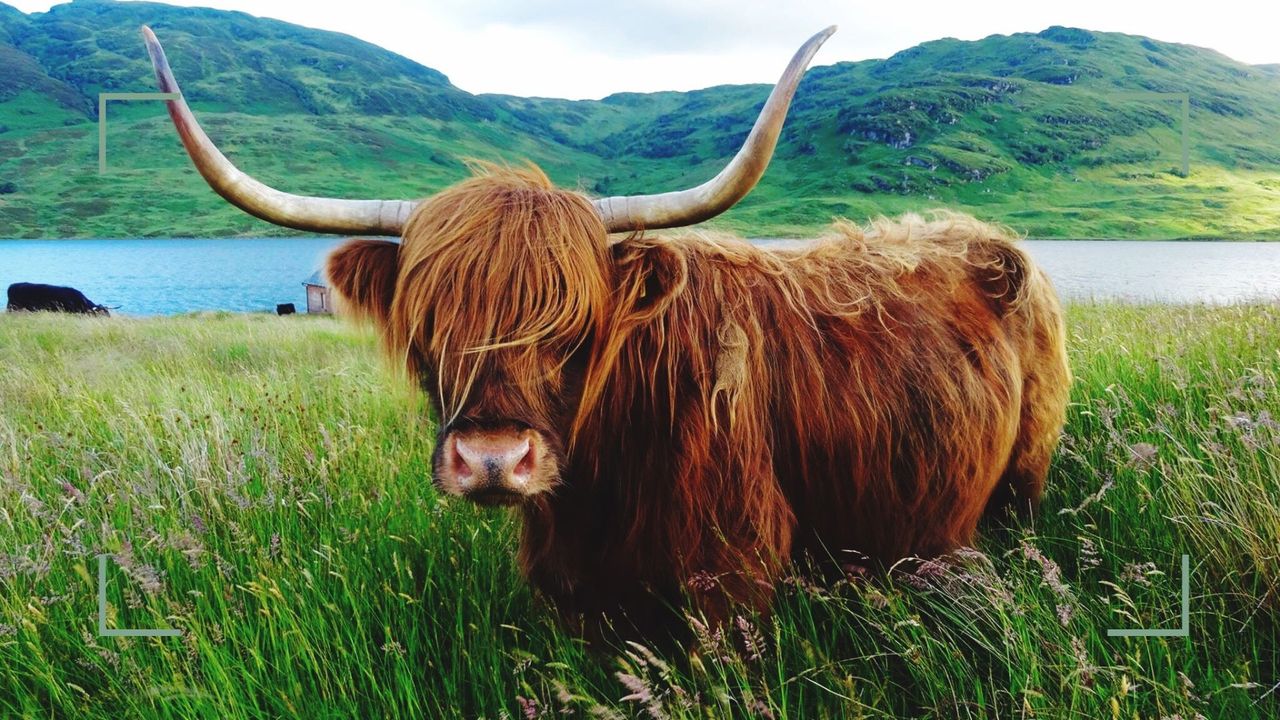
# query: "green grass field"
(263, 485)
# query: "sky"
(582, 49)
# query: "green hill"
(1042, 131)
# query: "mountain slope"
(1042, 131)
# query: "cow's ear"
(651, 276)
(363, 274)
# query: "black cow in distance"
(35, 297)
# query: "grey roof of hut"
(317, 278)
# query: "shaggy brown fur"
(719, 410)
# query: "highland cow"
(689, 415)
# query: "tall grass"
(262, 485)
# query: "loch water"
(169, 276)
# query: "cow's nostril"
(459, 467)
(524, 468)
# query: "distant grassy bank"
(263, 485)
(151, 189)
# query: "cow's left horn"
(686, 207)
(315, 214)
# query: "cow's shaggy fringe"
(875, 390)
(502, 264)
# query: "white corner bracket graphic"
(102, 117)
(1183, 631)
(103, 630)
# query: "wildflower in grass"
(1092, 499)
(965, 574)
(1239, 421)
(393, 647)
(875, 598)
(1090, 558)
(522, 662)
(854, 572)
(146, 576)
(91, 643)
(1142, 456)
(752, 640)
(975, 569)
(191, 548)
(73, 540)
(702, 581)
(710, 641)
(190, 642)
(529, 708)
(931, 570)
(645, 657)
(13, 565)
(1086, 670)
(651, 682)
(641, 694)
(1187, 686)
(240, 501)
(803, 583)
(1253, 385)
(1178, 376)
(34, 506)
(759, 709)
(563, 696)
(970, 556)
(600, 712)
(73, 493)
(915, 580)
(1253, 431)
(1139, 573)
(1052, 574)
(225, 569)
(1215, 449)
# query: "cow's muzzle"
(494, 467)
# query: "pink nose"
(489, 462)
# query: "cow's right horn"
(315, 214)
(686, 207)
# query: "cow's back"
(931, 380)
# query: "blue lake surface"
(167, 276)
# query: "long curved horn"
(686, 207)
(315, 214)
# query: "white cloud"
(588, 48)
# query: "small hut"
(318, 300)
